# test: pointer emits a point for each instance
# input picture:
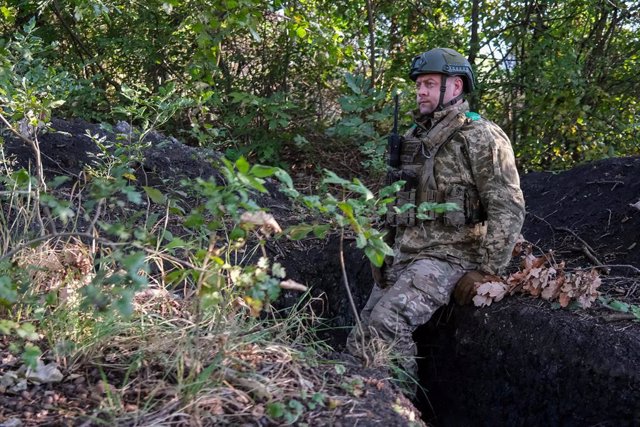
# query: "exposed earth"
(521, 361)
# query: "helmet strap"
(443, 88)
(454, 100)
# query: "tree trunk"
(372, 44)
(474, 47)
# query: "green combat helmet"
(447, 62)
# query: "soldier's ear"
(458, 86)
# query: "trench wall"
(520, 363)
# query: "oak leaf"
(267, 222)
(489, 292)
(482, 301)
(554, 285)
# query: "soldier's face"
(428, 91)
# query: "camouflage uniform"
(474, 167)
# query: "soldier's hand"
(468, 284)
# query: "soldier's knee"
(431, 290)
(388, 325)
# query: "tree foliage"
(559, 77)
(564, 74)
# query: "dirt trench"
(517, 362)
(522, 362)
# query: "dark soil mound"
(592, 202)
(67, 148)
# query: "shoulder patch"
(409, 131)
(472, 115)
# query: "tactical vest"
(417, 168)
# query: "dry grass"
(62, 268)
(154, 370)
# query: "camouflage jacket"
(479, 158)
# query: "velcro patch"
(472, 115)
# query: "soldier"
(450, 155)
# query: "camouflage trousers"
(392, 314)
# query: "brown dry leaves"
(544, 278)
(266, 222)
(488, 292)
(63, 269)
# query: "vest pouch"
(455, 194)
(430, 196)
(406, 218)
